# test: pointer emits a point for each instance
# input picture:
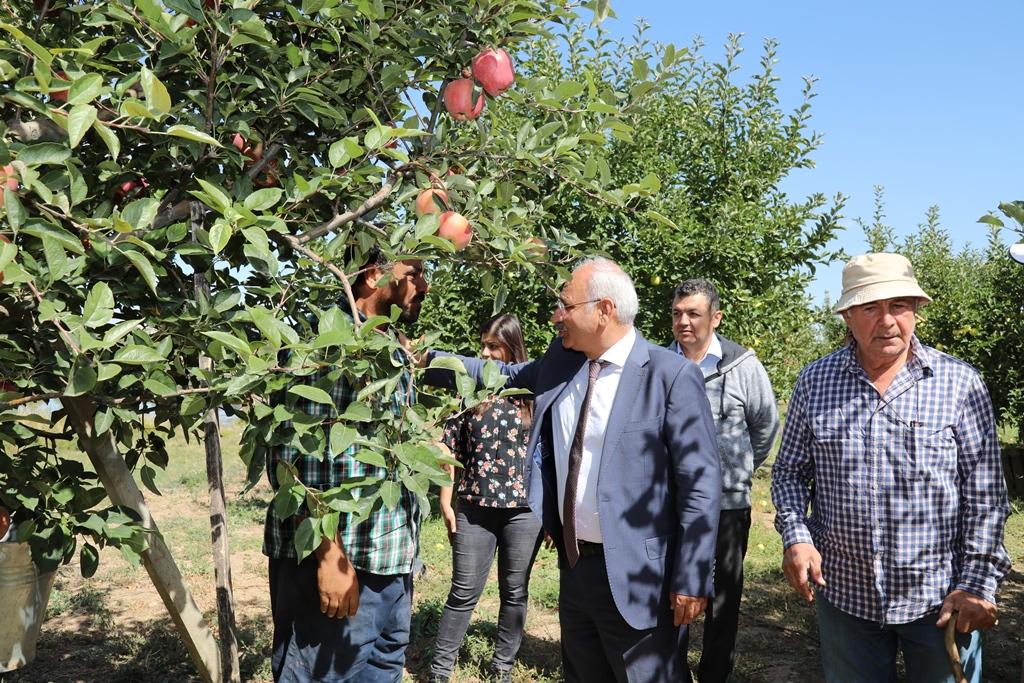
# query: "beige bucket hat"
(873, 277)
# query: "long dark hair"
(507, 330)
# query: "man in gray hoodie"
(747, 421)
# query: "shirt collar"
(619, 351)
(714, 351)
(919, 362)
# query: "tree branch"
(375, 200)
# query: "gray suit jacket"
(659, 482)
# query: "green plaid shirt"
(387, 541)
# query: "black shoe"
(500, 676)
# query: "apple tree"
(190, 188)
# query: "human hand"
(974, 613)
(686, 608)
(337, 583)
(802, 565)
(549, 542)
(448, 515)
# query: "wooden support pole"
(122, 489)
(218, 507)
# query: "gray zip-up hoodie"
(747, 419)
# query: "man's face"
(693, 323)
(407, 289)
(575, 317)
(882, 328)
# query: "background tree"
(712, 152)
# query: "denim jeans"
(309, 646)
(859, 651)
(515, 532)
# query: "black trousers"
(598, 646)
(718, 654)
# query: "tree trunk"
(122, 489)
(218, 507)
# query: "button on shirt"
(567, 407)
(908, 497)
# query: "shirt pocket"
(931, 452)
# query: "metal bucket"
(23, 598)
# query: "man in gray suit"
(626, 480)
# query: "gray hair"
(609, 281)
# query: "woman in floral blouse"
(492, 513)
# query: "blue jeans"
(515, 532)
(309, 646)
(855, 650)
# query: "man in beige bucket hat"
(889, 491)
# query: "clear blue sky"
(925, 98)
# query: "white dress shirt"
(567, 408)
(709, 363)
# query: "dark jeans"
(598, 646)
(855, 650)
(515, 532)
(722, 619)
(309, 646)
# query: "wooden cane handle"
(952, 651)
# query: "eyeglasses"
(565, 308)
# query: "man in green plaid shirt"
(343, 613)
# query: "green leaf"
(157, 97)
(80, 120)
(566, 90)
(447, 363)
(85, 89)
(119, 331)
(99, 306)
(357, 411)
(342, 436)
(141, 212)
(89, 559)
(41, 53)
(148, 476)
(136, 354)
(82, 377)
(390, 494)
(311, 394)
(261, 200)
(192, 404)
(109, 138)
(102, 421)
(307, 538)
(991, 220)
(220, 235)
(664, 220)
(221, 201)
(144, 267)
(16, 214)
(7, 253)
(190, 133)
(239, 346)
(44, 153)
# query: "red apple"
(427, 201)
(60, 95)
(8, 178)
(456, 229)
(535, 247)
(458, 100)
(130, 189)
(493, 70)
(5, 515)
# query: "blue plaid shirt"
(907, 499)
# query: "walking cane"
(952, 651)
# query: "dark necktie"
(573, 475)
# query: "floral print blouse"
(491, 445)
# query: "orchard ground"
(114, 628)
